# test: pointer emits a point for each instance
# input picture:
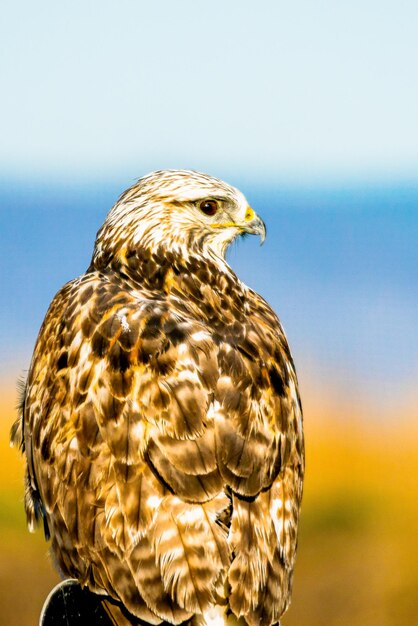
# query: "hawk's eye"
(208, 207)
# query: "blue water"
(339, 266)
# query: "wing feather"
(141, 415)
(125, 426)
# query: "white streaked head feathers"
(161, 209)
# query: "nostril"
(249, 214)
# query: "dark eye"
(208, 207)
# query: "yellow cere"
(249, 214)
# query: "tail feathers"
(118, 615)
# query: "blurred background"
(311, 109)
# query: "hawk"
(161, 421)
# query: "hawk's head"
(178, 210)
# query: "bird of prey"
(161, 422)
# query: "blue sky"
(273, 89)
(309, 107)
(339, 266)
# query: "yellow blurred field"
(357, 562)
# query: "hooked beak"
(252, 224)
(256, 227)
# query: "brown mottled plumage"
(161, 420)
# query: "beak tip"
(257, 227)
(263, 232)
